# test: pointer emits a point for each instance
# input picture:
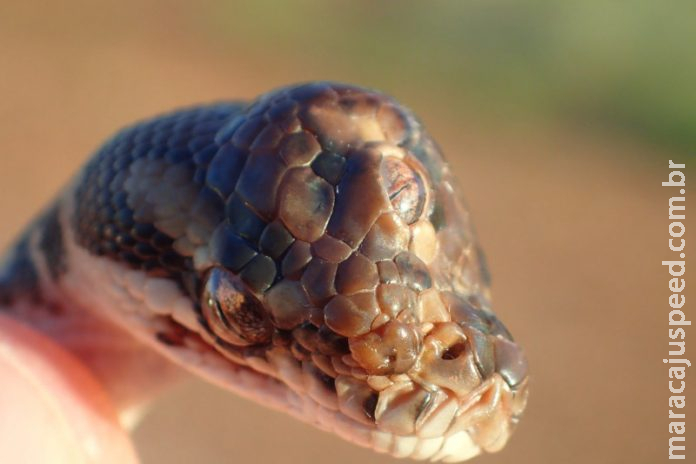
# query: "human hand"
(52, 410)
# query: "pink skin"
(53, 409)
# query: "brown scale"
(394, 299)
(361, 198)
(351, 315)
(390, 349)
(305, 203)
(331, 249)
(288, 304)
(318, 280)
(356, 274)
(299, 149)
(387, 237)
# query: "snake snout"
(438, 369)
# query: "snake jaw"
(322, 259)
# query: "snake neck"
(31, 274)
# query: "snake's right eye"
(232, 312)
(406, 188)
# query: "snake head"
(328, 257)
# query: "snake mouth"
(402, 415)
(445, 390)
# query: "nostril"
(447, 360)
(370, 405)
(454, 351)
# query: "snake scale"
(309, 250)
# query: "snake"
(309, 250)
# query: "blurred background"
(558, 117)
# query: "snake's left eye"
(232, 312)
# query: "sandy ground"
(575, 227)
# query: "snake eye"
(405, 187)
(232, 312)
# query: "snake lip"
(486, 415)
